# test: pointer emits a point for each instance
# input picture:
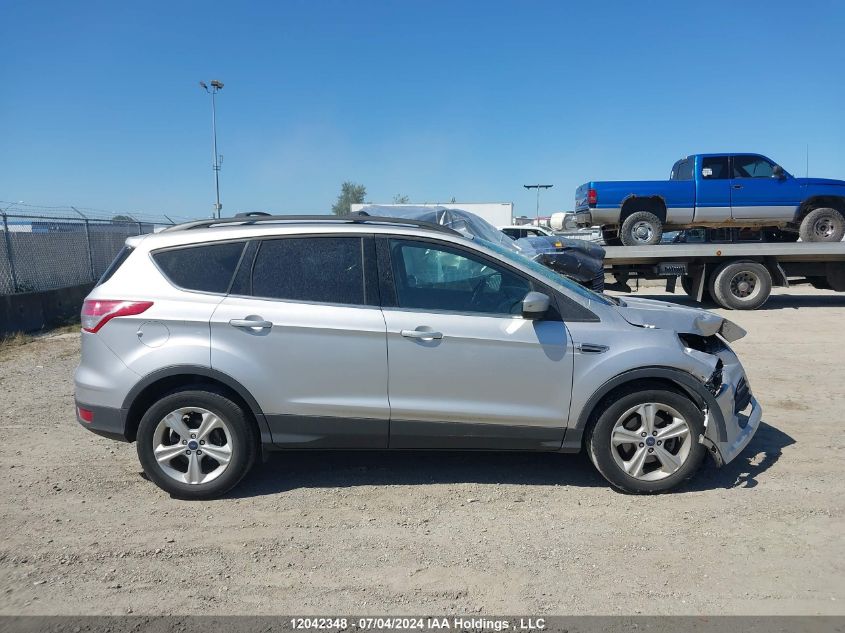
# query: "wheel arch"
(633, 203)
(168, 379)
(674, 379)
(819, 202)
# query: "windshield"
(546, 273)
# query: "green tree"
(401, 198)
(122, 218)
(350, 193)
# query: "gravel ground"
(84, 533)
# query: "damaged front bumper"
(733, 414)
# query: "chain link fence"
(45, 248)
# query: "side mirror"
(777, 172)
(535, 305)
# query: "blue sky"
(100, 106)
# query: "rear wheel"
(641, 228)
(610, 237)
(822, 225)
(741, 285)
(646, 441)
(779, 235)
(196, 444)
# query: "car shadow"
(291, 470)
(763, 452)
(781, 301)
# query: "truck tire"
(641, 229)
(822, 225)
(686, 284)
(836, 276)
(779, 235)
(610, 237)
(741, 285)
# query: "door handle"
(737, 186)
(421, 334)
(250, 323)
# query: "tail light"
(592, 196)
(96, 313)
(86, 415)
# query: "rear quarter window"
(205, 267)
(121, 256)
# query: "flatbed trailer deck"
(738, 276)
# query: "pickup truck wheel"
(741, 285)
(822, 225)
(646, 441)
(610, 238)
(779, 235)
(641, 229)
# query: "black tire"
(822, 225)
(242, 433)
(641, 228)
(610, 238)
(601, 449)
(686, 285)
(819, 283)
(741, 285)
(779, 235)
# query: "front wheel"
(641, 229)
(822, 225)
(647, 441)
(196, 444)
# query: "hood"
(683, 320)
(821, 181)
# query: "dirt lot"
(84, 533)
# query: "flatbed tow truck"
(736, 275)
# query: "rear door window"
(715, 168)
(204, 267)
(313, 269)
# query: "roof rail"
(254, 219)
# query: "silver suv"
(213, 341)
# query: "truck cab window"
(682, 170)
(752, 167)
(715, 168)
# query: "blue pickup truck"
(715, 191)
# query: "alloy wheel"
(192, 445)
(650, 441)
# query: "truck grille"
(743, 395)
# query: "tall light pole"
(216, 86)
(538, 187)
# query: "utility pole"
(216, 86)
(538, 187)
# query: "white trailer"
(737, 276)
(496, 213)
